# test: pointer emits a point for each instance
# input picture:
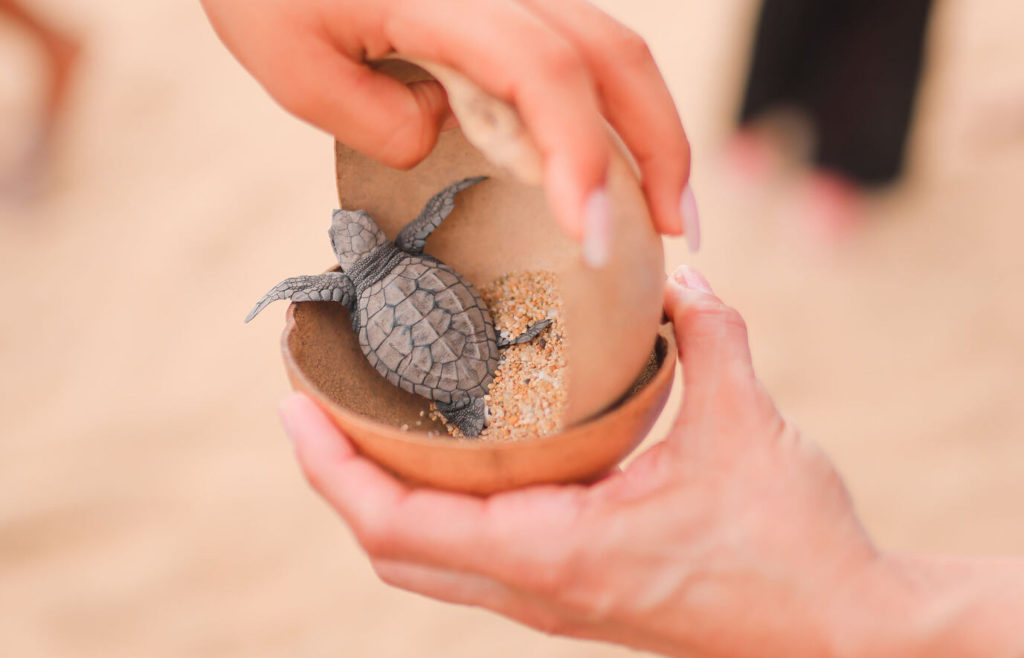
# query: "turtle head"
(354, 235)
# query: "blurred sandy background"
(149, 503)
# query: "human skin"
(60, 49)
(732, 537)
(566, 67)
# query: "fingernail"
(688, 277)
(691, 219)
(284, 411)
(597, 229)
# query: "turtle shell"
(425, 329)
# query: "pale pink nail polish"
(597, 229)
(691, 278)
(284, 412)
(691, 219)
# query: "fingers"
(428, 527)
(712, 340)
(360, 491)
(635, 100)
(514, 55)
(387, 517)
(309, 57)
(561, 64)
(444, 584)
(394, 123)
(471, 589)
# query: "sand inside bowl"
(527, 397)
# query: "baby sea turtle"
(420, 324)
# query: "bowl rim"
(666, 370)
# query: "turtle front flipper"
(468, 414)
(531, 332)
(329, 287)
(413, 237)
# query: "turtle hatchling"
(420, 324)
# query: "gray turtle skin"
(421, 325)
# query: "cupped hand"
(734, 536)
(565, 65)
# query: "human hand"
(732, 537)
(565, 66)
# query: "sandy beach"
(149, 501)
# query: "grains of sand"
(527, 397)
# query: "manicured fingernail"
(285, 412)
(597, 229)
(691, 219)
(688, 277)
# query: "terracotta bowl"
(323, 359)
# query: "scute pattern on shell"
(425, 330)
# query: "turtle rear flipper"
(413, 237)
(531, 332)
(328, 287)
(468, 414)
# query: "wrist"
(910, 606)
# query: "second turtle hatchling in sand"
(420, 324)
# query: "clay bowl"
(323, 360)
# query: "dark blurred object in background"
(61, 51)
(852, 69)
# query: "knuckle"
(549, 570)
(629, 46)
(545, 577)
(550, 580)
(732, 320)
(373, 537)
(715, 313)
(561, 60)
(563, 576)
(570, 585)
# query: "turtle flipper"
(468, 414)
(531, 332)
(329, 287)
(413, 237)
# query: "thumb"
(394, 123)
(712, 340)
